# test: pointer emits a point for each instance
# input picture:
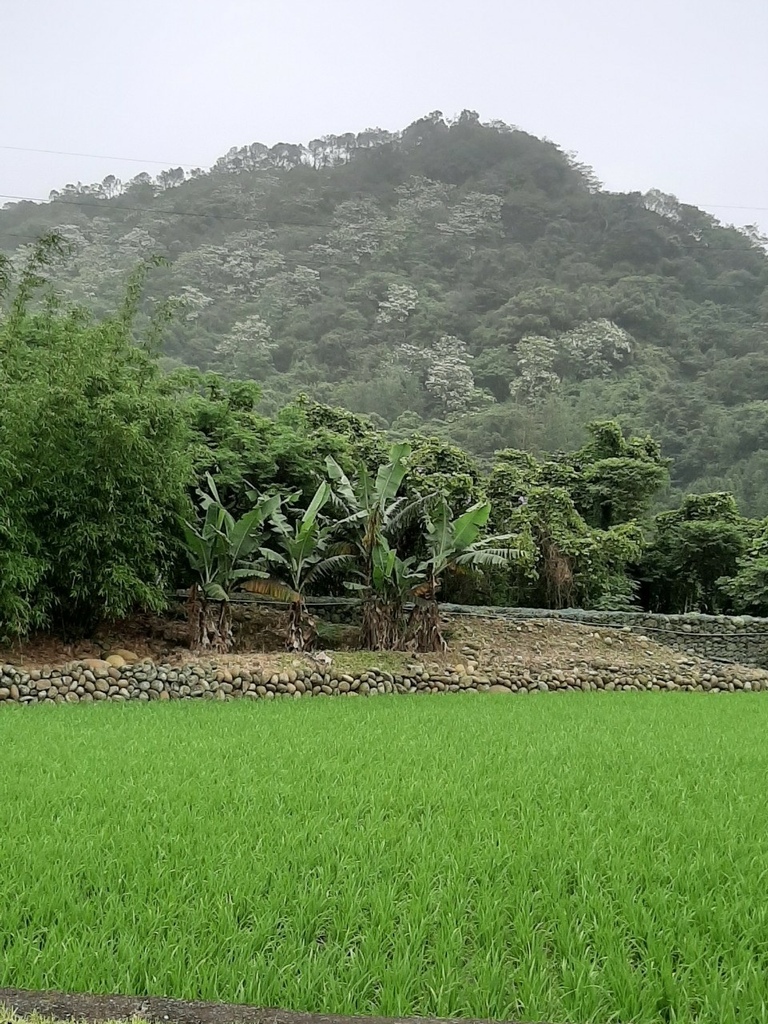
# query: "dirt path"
(60, 1006)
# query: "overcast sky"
(658, 93)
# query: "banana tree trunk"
(302, 632)
(382, 627)
(424, 632)
(210, 623)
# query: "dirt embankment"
(561, 654)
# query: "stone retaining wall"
(730, 638)
(734, 638)
(97, 680)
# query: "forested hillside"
(463, 279)
(120, 483)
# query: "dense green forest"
(121, 481)
(465, 280)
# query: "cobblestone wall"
(735, 649)
(115, 679)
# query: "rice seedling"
(588, 858)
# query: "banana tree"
(450, 543)
(222, 552)
(393, 580)
(373, 515)
(306, 553)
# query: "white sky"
(652, 93)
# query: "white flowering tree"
(662, 203)
(288, 289)
(191, 302)
(248, 346)
(419, 195)
(478, 214)
(359, 230)
(305, 284)
(446, 374)
(596, 346)
(239, 269)
(536, 357)
(400, 302)
(99, 264)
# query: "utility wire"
(97, 156)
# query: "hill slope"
(463, 274)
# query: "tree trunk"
(302, 633)
(558, 574)
(383, 628)
(210, 624)
(424, 632)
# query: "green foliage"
(372, 502)
(747, 589)
(467, 276)
(690, 551)
(439, 468)
(235, 442)
(461, 541)
(375, 512)
(94, 462)
(616, 479)
(304, 556)
(569, 560)
(452, 543)
(352, 437)
(223, 551)
(100, 452)
(379, 517)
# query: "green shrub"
(94, 462)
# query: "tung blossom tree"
(400, 302)
(248, 345)
(536, 357)
(447, 375)
(596, 346)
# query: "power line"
(97, 156)
(729, 206)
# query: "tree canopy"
(462, 279)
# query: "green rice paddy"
(565, 858)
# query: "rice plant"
(591, 858)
